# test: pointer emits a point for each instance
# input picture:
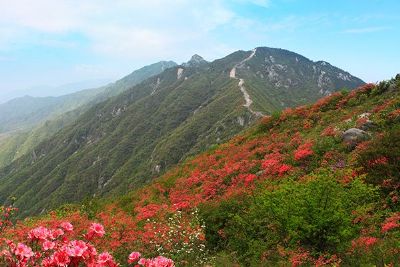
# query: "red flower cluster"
(329, 131)
(303, 151)
(159, 261)
(378, 161)
(391, 223)
(273, 165)
(299, 258)
(364, 242)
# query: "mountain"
(26, 112)
(65, 89)
(195, 60)
(315, 185)
(49, 114)
(47, 90)
(126, 141)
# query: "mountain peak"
(195, 60)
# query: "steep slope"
(53, 113)
(132, 138)
(290, 79)
(26, 112)
(316, 185)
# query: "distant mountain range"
(130, 138)
(26, 121)
(46, 90)
(25, 112)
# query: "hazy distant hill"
(29, 120)
(25, 112)
(46, 90)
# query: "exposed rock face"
(157, 168)
(353, 136)
(240, 120)
(179, 73)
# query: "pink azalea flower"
(105, 260)
(134, 257)
(67, 226)
(47, 245)
(96, 229)
(40, 233)
(55, 234)
(23, 251)
(76, 248)
(61, 258)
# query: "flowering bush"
(54, 247)
(273, 165)
(364, 242)
(303, 151)
(181, 237)
(283, 193)
(5, 217)
(391, 223)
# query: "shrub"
(316, 215)
(380, 161)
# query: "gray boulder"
(353, 136)
(368, 125)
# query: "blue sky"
(55, 42)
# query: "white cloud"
(126, 42)
(41, 15)
(210, 17)
(114, 28)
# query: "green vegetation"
(291, 190)
(32, 120)
(316, 215)
(128, 140)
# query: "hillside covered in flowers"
(316, 185)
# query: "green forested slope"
(49, 115)
(129, 139)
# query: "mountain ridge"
(50, 105)
(20, 141)
(183, 110)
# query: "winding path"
(246, 95)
